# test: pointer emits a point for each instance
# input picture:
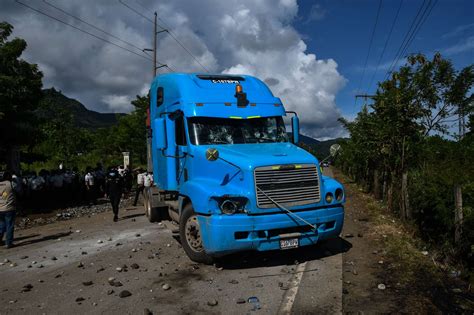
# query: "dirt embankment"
(388, 269)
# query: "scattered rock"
(124, 294)
(354, 272)
(87, 283)
(119, 269)
(134, 250)
(240, 301)
(80, 299)
(349, 235)
(146, 311)
(380, 262)
(166, 287)
(233, 281)
(78, 231)
(212, 302)
(100, 269)
(80, 265)
(360, 235)
(58, 275)
(424, 253)
(381, 286)
(134, 266)
(110, 291)
(137, 235)
(100, 241)
(84, 253)
(23, 257)
(14, 264)
(344, 291)
(118, 244)
(27, 287)
(109, 239)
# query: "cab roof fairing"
(187, 89)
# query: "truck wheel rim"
(193, 234)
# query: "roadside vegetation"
(412, 148)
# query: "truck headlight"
(228, 207)
(231, 205)
(339, 194)
(329, 197)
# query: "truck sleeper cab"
(225, 169)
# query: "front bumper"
(224, 234)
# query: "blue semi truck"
(226, 170)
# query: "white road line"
(290, 296)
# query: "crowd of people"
(59, 188)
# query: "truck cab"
(226, 170)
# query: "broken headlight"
(232, 205)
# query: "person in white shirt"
(140, 185)
(89, 182)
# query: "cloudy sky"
(311, 53)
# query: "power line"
(93, 26)
(81, 30)
(423, 19)
(370, 46)
(405, 39)
(173, 36)
(385, 45)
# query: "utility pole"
(154, 46)
(365, 97)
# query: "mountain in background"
(83, 117)
(317, 147)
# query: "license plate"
(289, 243)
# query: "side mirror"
(159, 133)
(295, 124)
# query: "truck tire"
(152, 212)
(190, 236)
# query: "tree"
(20, 91)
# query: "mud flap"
(156, 209)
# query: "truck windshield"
(211, 130)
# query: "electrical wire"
(84, 31)
(411, 30)
(93, 26)
(423, 19)
(385, 45)
(370, 47)
(165, 27)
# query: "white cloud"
(235, 36)
(316, 13)
(118, 103)
(463, 46)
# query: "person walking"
(114, 189)
(7, 209)
(89, 182)
(140, 185)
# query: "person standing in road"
(7, 209)
(140, 185)
(90, 187)
(114, 189)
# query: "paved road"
(58, 261)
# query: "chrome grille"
(289, 185)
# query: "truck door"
(181, 146)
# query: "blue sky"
(341, 30)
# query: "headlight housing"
(339, 194)
(231, 205)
